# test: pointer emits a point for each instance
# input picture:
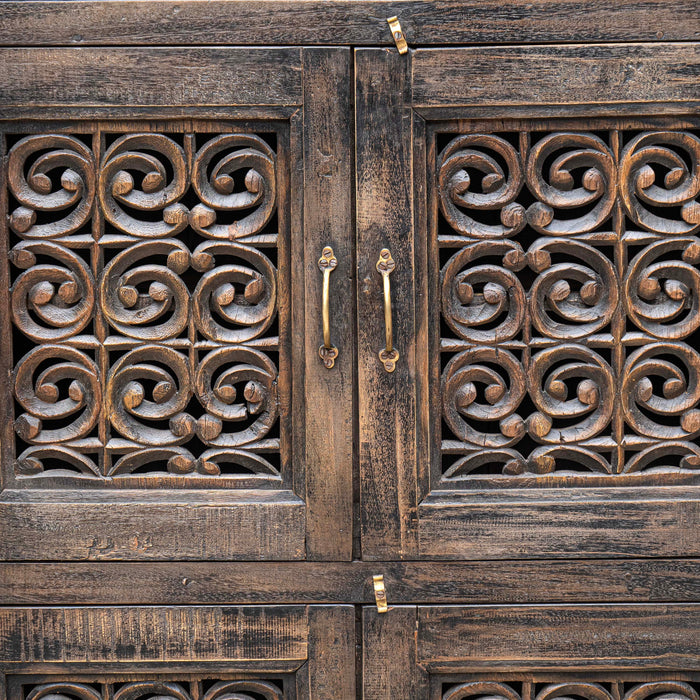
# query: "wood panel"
(194, 526)
(612, 637)
(590, 74)
(157, 634)
(344, 22)
(196, 583)
(330, 408)
(32, 78)
(387, 400)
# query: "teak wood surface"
(194, 505)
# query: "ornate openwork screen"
(550, 689)
(568, 282)
(177, 689)
(147, 336)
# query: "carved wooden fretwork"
(144, 303)
(150, 689)
(569, 288)
(570, 690)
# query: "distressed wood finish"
(480, 582)
(274, 652)
(555, 289)
(452, 653)
(159, 337)
(344, 22)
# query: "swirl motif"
(42, 311)
(644, 200)
(663, 690)
(159, 690)
(662, 456)
(30, 462)
(120, 197)
(468, 165)
(243, 690)
(63, 691)
(133, 312)
(41, 400)
(485, 690)
(676, 364)
(35, 192)
(569, 299)
(567, 691)
(592, 406)
(462, 380)
(565, 458)
(484, 295)
(215, 185)
(663, 298)
(242, 296)
(129, 409)
(245, 369)
(559, 191)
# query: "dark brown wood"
(481, 582)
(328, 437)
(595, 637)
(384, 220)
(586, 74)
(351, 22)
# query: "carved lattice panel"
(568, 287)
(571, 689)
(144, 689)
(146, 269)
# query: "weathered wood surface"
(37, 78)
(335, 22)
(196, 583)
(593, 637)
(585, 74)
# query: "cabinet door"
(539, 209)
(164, 214)
(282, 652)
(610, 652)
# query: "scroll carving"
(580, 690)
(156, 347)
(163, 689)
(569, 293)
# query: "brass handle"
(385, 266)
(327, 263)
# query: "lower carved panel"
(177, 688)
(560, 689)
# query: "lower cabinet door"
(543, 652)
(276, 652)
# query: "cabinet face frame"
(401, 102)
(309, 515)
(421, 652)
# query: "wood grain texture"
(613, 637)
(344, 22)
(142, 635)
(590, 74)
(640, 524)
(195, 526)
(389, 668)
(137, 77)
(198, 583)
(330, 669)
(330, 408)
(387, 401)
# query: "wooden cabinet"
(285, 310)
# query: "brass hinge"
(380, 593)
(397, 33)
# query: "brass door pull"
(327, 263)
(385, 266)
